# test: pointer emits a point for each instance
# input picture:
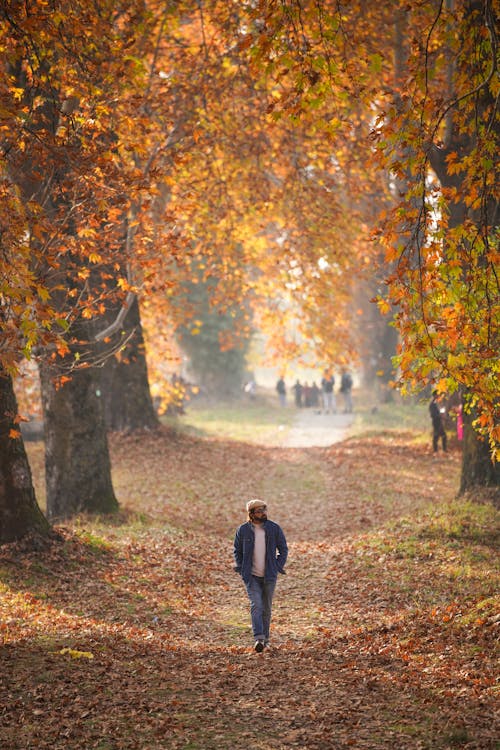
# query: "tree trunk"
(124, 381)
(19, 511)
(477, 466)
(77, 463)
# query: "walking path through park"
(133, 633)
(313, 429)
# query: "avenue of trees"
(168, 168)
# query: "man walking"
(329, 401)
(260, 553)
(281, 390)
(437, 412)
(345, 390)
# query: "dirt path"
(314, 429)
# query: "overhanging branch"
(120, 318)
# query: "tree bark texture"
(477, 466)
(77, 462)
(124, 381)
(19, 512)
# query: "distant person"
(307, 395)
(260, 553)
(297, 388)
(327, 383)
(346, 390)
(315, 393)
(281, 390)
(438, 413)
(250, 389)
(460, 422)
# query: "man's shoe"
(259, 646)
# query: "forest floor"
(133, 632)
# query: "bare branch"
(118, 322)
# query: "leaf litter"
(133, 631)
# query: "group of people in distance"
(322, 398)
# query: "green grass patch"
(463, 521)
(258, 422)
(468, 531)
(442, 555)
(402, 415)
(95, 544)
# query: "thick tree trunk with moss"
(77, 462)
(19, 511)
(124, 380)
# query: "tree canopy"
(279, 148)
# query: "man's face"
(259, 514)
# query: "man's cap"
(255, 504)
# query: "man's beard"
(261, 517)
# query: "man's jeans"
(260, 593)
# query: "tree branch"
(118, 322)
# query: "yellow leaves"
(102, 110)
(456, 361)
(75, 654)
(14, 434)
(87, 232)
(17, 93)
(383, 305)
(228, 66)
(42, 292)
(123, 284)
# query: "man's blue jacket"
(276, 550)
